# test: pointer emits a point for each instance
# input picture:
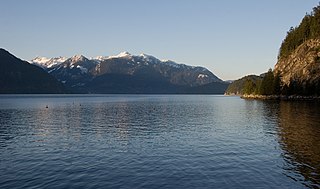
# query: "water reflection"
(158, 142)
(299, 136)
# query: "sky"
(231, 38)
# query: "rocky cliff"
(302, 66)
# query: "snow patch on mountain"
(83, 70)
(147, 57)
(40, 60)
(172, 63)
(99, 65)
(77, 58)
(124, 54)
(48, 62)
(202, 76)
(100, 58)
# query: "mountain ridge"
(81, 74)
(18, 76)
(50, 62)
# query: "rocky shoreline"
(280, 97)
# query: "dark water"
(138, 141)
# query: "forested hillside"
(297, 71)
(309, 28)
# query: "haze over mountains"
(123, 73)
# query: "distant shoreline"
(281, 97)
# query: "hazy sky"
(232, 38)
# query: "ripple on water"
(137, 141)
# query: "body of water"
(157, 141)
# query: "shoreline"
(281, 97)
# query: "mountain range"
(122, 73)
(126, 73)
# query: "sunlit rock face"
(302, 65)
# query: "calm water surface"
(137, 141)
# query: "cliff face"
(297, 72)
(302, 66)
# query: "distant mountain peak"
(77, 58)
(45, 62)
(149, 58)
(173, 63)
(124, 63)
(99, 58)
(144, 55)
(123, 54)
(40, 59)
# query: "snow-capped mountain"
(74, 71)
(82, 74)
(178, 74)
(48, 62)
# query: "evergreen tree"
(276, 84)
(267, 84)
(258, 87)
(249, 87)
(309, 28)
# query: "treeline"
(237, 86)
(270, 84)
(309, 28)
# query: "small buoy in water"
(46, 106)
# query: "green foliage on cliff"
(300, 74)
(301, 68)
(309, 28)
(245, 85)
(268, 84)
(249, 87)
